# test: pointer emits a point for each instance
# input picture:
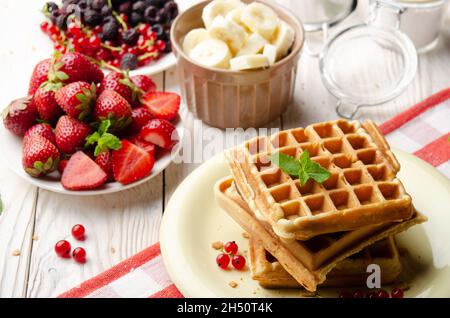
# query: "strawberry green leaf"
(104, 126)
(287, 163)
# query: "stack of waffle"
(319, 234)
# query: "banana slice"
(228, 32)
(271, 52)
(235, 15)
(212, 53)
(193, 38)
(261, 19)
(248, 62)
(218, 8)
(284, 38)
(254, 45)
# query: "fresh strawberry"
(131, 163)
(41, 129)
(104, 162)
(110, 105)
(145, 83)
(39, 75)
(62, 165)
(20, 115)
(77, 99)
(71, 134)
(46, 105)
(140, 117)
(82, 173)
(40, 156)
(160, 132)
(147, 146)
(162, 105)
(117, 82)
(73, 67)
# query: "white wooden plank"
(16, 228)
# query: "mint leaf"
(104, 126)
(304, 167)
(287, 163)
(92, 139)
(107, 141)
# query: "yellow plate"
(193, 220)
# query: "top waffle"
(362, 190)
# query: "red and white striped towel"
(423, 130)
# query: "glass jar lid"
(315, 14)
(367, 65)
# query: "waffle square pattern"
(363, 188)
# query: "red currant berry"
(62, 249)
(397, 293)
(79, 255)
(160, 45)
(345, 294)
(382, 294)
(78, 232)
(44, 26)
(223, 260)
(359, 294)
(238, 261)
(231, 248)
(141, 41)
(94, 41)
(74, 29)
(98, 29)
(52, 29)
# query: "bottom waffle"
(270, 273)
(230, 200)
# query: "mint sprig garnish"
(304, 167)
(103, 139)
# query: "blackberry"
(139, 6)
(61, 22)
(156, 3)
(125, 7)
(92, 17)
(136, 18)
(82, 4)
(151, 15)
(129, 61)
(106, 11)
(172, 9)
(97, 4)
(110, 31)
(51, 6)
(130, 36)
(163, 17)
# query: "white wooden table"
(120, 225)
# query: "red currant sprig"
(381, 293)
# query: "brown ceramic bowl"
(230, 99)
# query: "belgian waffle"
(230, 200)
(351, 271)
(362, 190)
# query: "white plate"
(11, 146)
(192, 221)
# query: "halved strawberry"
(82, 173)
(131, 163)
(147, 146)
(160, 132)
(140, 117)
(162, 105)
(41, 129)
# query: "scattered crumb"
(113, 250)
(242, 279)
(15, 253)
(233, 284)
(217, 245)
(245, 235)
(35, 237)
(254, 292)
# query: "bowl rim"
(177, 49)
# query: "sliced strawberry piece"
(162, 105)
(131, 163)
(160, 132)
(147, 146)
(140, 117)
(82, 173)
